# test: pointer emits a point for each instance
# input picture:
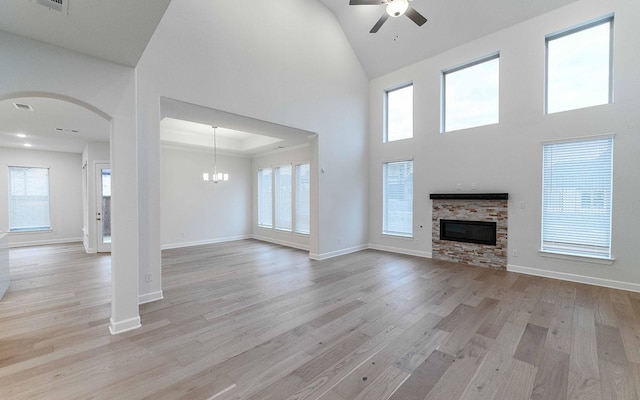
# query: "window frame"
(556, 250)
(42, 229)
(385, 135)
(296, 186)
(385, 231)
(260, 225)
(607, 19)
(276, 198)
(443, 90)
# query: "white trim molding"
(150, 297)
(298, 246)
(44, 242)
(408, 252)
(589, 280)
(325, 256)
(124, 326)
(204, 242)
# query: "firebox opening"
(480, 232)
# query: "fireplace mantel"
(469, 196)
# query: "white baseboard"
(589, 280)
(281, 242)
(204, 242)
(150, 297)
(44, 242)
(124, 326)
(324, 256)
(408, 252)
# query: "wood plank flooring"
(251, 320)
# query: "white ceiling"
(450, 23)
(190, 125)
(114, 30)
(41, 125)
(119, 30)
(194, 134)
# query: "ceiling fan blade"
(378, 24)
(415, 16)
(366, 2)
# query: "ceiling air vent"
(57, 5)
(21, 106)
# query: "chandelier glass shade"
(215, 176)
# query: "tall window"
(399, 113)
(579, 67)
(265, 198)
(471, 95)
(576, 197)
(29, 199)
(283, 197)
(303, 196)
(398, 198)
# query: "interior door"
(103, 207)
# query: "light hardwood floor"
(249, 320)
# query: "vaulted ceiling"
(450, 23)
(119, 30)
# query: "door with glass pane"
(103, 207)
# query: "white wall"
(92, 154)
(275, 159)
(65, 195)
(31, 68)
(195, 212)
(292, 65)
(506, 157)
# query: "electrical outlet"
(459, 186)
(515, 253)
(148, 277)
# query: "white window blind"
(399, 104)
(303, 196)
(265, 196)
(283, 197)
(29, 199)
(576, 197)
(398, 198)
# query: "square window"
(29, 208)
(471, 95)
(399, 113)
(579, 67)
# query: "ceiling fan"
(395, 8)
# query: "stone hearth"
(491, 207)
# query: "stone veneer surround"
(494, 210)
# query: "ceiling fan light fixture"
(396, 8)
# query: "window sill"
(397, 236)
(573, 257)
(30, 232)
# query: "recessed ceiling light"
(21, 135)
(27, 145)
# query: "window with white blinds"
(283, 197)
(29, 199)
(303, 198)
(398, 198)
(265, 196)
(576, 197)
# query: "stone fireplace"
(473, 223)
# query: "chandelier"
(216, 176)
